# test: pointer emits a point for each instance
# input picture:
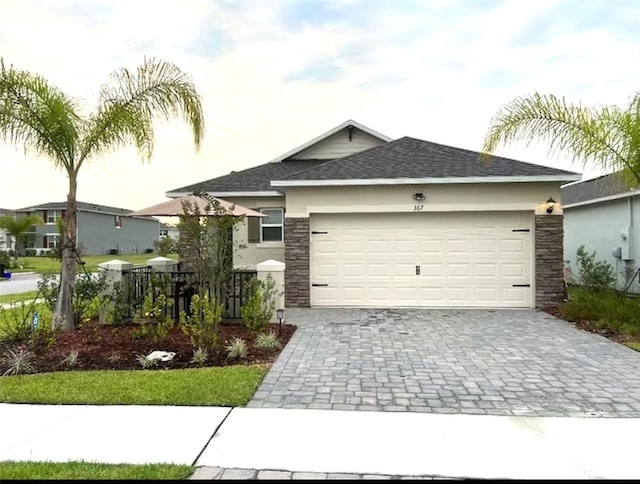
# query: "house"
(365, 221)
(5, 238)
(603, 214)
(167, 230)
(101, 229)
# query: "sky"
(274, 74)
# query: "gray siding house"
(101, 229)
(603, 214)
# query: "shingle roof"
(588, 190)
(6, 211)
(413, 158)
(256, 179)
(93, 207)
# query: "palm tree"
(45, 121)
(17, 228)
(607, 137)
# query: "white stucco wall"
(599, 227)
(254, 254)
(302, 201)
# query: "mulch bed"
(107, 347)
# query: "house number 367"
(418, 208)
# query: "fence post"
(114, 273)
(162, 264)
(276, 270)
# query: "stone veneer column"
(296, 258)
(549, 234)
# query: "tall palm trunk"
(63, 314)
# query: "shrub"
(165, 246)
(145, 362)
(268, 341)
(260, 303)
(202, 322)
(19, 362)
(200, 356)
(237, 348)
(71, 359)
(594, 276)
(5, 260)
(117, 306)
(16, 322)
(154, 318)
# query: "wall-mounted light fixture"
(551, 203)
(419, 197)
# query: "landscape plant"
(268, 341)
(594, 275)
(19, 362)
(236, 348)
(259, 303)
(45, 121)
(154, 317)
(201, 322)
(18, 228)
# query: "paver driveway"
(497, 362)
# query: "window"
(117, 221)
(164, 233)
(271, 226)
(52, 241)
(53, 216)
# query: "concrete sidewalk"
(325, 441)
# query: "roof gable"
(413, 159)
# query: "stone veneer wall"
(296, 258)
(549, 234)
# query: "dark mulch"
(106, 347)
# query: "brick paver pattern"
(486, 362)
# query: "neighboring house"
(101, 229)
(364, 221)
(603, 214)
(5, 238)
(167, 230)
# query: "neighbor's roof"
(600, 189)
(6, 211)
(418, 161)
(82, 206)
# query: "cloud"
(274, 74)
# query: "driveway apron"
(488, 362)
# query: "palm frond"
(130, 102)
(37, 115)
(17, 226)
(598, 136)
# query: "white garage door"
(422, 259)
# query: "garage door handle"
(520, 230)
(520, 285)
(320, 285)
(316, 232)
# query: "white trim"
(333, 131)
(617, 196)
(271, 193)
(423, 181)
(280, 225)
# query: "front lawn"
(45, 264)
(222, 386)
(23, 296)
(91, 471)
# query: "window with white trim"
(117, 222)
(272, 226)
(53, 216)
(52, 241)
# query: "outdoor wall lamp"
(551, 203)
(280, 316)
(419, 197)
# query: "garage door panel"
(465, 260)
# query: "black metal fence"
(180, 286)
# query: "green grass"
(633, 346)
(45, 264)
(607, 309)
(23, 296)
(91, 471)
(12, 318)
(222, 386)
